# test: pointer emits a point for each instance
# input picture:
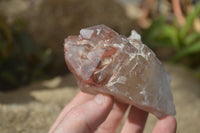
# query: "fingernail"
(99, 99)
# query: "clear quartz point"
(106, 62)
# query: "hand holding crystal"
(102, 114)
(104, 61)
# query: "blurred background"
(35, 81)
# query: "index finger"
(86, 117)
(79, 99)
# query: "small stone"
(105, 62)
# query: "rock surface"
(34, 108)
(104, 61)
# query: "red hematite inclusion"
(104, 61)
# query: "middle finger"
(114, 118)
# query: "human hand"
(101, 114)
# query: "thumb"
(86, 117)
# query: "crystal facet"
(106, 62)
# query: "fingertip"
(170, 119)
(173, 121)
(167, 124)
(135, 121)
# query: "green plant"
(184, 40)
(20, 61)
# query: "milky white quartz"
(106, 62)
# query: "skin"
(101, 114)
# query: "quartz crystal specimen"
(106, 62)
